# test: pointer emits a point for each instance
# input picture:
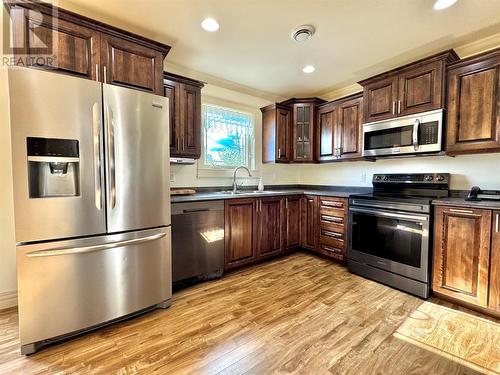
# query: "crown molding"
(478, 46)
(220, 82)
(340, 92)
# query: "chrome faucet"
(235, 185)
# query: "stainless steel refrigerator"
(92, 203)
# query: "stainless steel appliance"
(92, 203)
(413, 134)
(197, 241)
(389, 230)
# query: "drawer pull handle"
(461, 211)
(332, 234)
(332, 219)
(332, 249)
(332, 204)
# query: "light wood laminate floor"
(299, 314)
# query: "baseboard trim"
(8, 299)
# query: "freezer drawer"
(67, 286)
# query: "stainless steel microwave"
(413, 134)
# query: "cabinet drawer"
(332, 217)
(333, 203)
(332, 238)
(331, 251)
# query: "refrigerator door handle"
(96, 135)
(88, 249)
(111, 156)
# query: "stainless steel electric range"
(390, 230)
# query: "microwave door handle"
(415, 134)
(111, 156)
(96, 135)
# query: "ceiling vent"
(302, 33)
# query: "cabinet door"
(420, 89)
(283, 122)
(270, 229)
(461, 254)
(303, 132)
(380, 99)
(309, 222)
(240, 232)
(292, 222)
(327, 119)
(494, 294)
(60, 46)
(350, 134)
(473, 120)
(172, 92)
(190, 118)
(131, 65)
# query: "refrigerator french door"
(92, 203)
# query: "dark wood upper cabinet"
(283, 123)
(413, 88)
(75, 49)
(185, 115)
(327, 118)
(268, 134)
(380, 98)
(270, 226)
(494, 292)
(240, 232)
(131, 65)
(292, 222)
(79, 46)
(473, 120)
(462, 254)
(340, 129)
(350, 129)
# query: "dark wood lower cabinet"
(494, 293)
(309, 222)
(462, 254)
(270, 226)
(292, 223)
(240, 232)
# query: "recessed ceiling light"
(308, 69)
(443, 4)
(209, 24)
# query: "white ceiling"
(354, 39)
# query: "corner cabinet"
(85, 48)
(184, 96)
(466, 256)
(413, 88)
(340, 129)
(473, 120)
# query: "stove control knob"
(440, 178)
(429, 178)
(386, 178)
(378, 178)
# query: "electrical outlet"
(172, 176)
(363, 177)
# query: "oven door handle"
(390, 214)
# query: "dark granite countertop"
(461, 202)
(342, 192)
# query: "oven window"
(388, 138)
(392, 239)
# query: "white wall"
(467, 170)
(7, 237)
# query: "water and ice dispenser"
(53, 167)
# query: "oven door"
(406, 135)
(394, 241)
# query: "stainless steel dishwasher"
(197, 241)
